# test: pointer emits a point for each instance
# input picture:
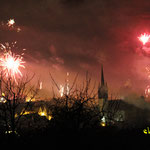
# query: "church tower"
(102, 92)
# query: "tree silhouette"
(14, 95)
(77, 109)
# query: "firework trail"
(67, 84)
(64, 90)
(41, 85)
(61, 91)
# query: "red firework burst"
(144, 38)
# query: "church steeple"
(102, 76)
(102, 89)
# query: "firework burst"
(10, 63)
(11, 23)
(144, 38)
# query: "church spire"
(102, 76)
(102, 91)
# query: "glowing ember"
(144, 38)
(11, 63)
(11, 22)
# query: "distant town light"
(29, 99)
(103, 124)
(2, 99)
(44, 113)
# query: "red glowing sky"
(78, 35)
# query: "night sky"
(79, 35)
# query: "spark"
(11, 22)
(18, 29)
(144, 38)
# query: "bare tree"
(82, 107)
(78, 108)
(14, 95)
(112, 110)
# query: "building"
(109, 109)
(120, 112)
(102, 92)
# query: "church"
(119, 112)
(102, 92)
(109, 109)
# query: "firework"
(61, 91)
(10, 63)
(11, 22)
(18, 29)
(147, 91)
(147, 68)
(41, 85)
(10, 25)
(144, 38)
(67, 84)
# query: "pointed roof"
(102, 76)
